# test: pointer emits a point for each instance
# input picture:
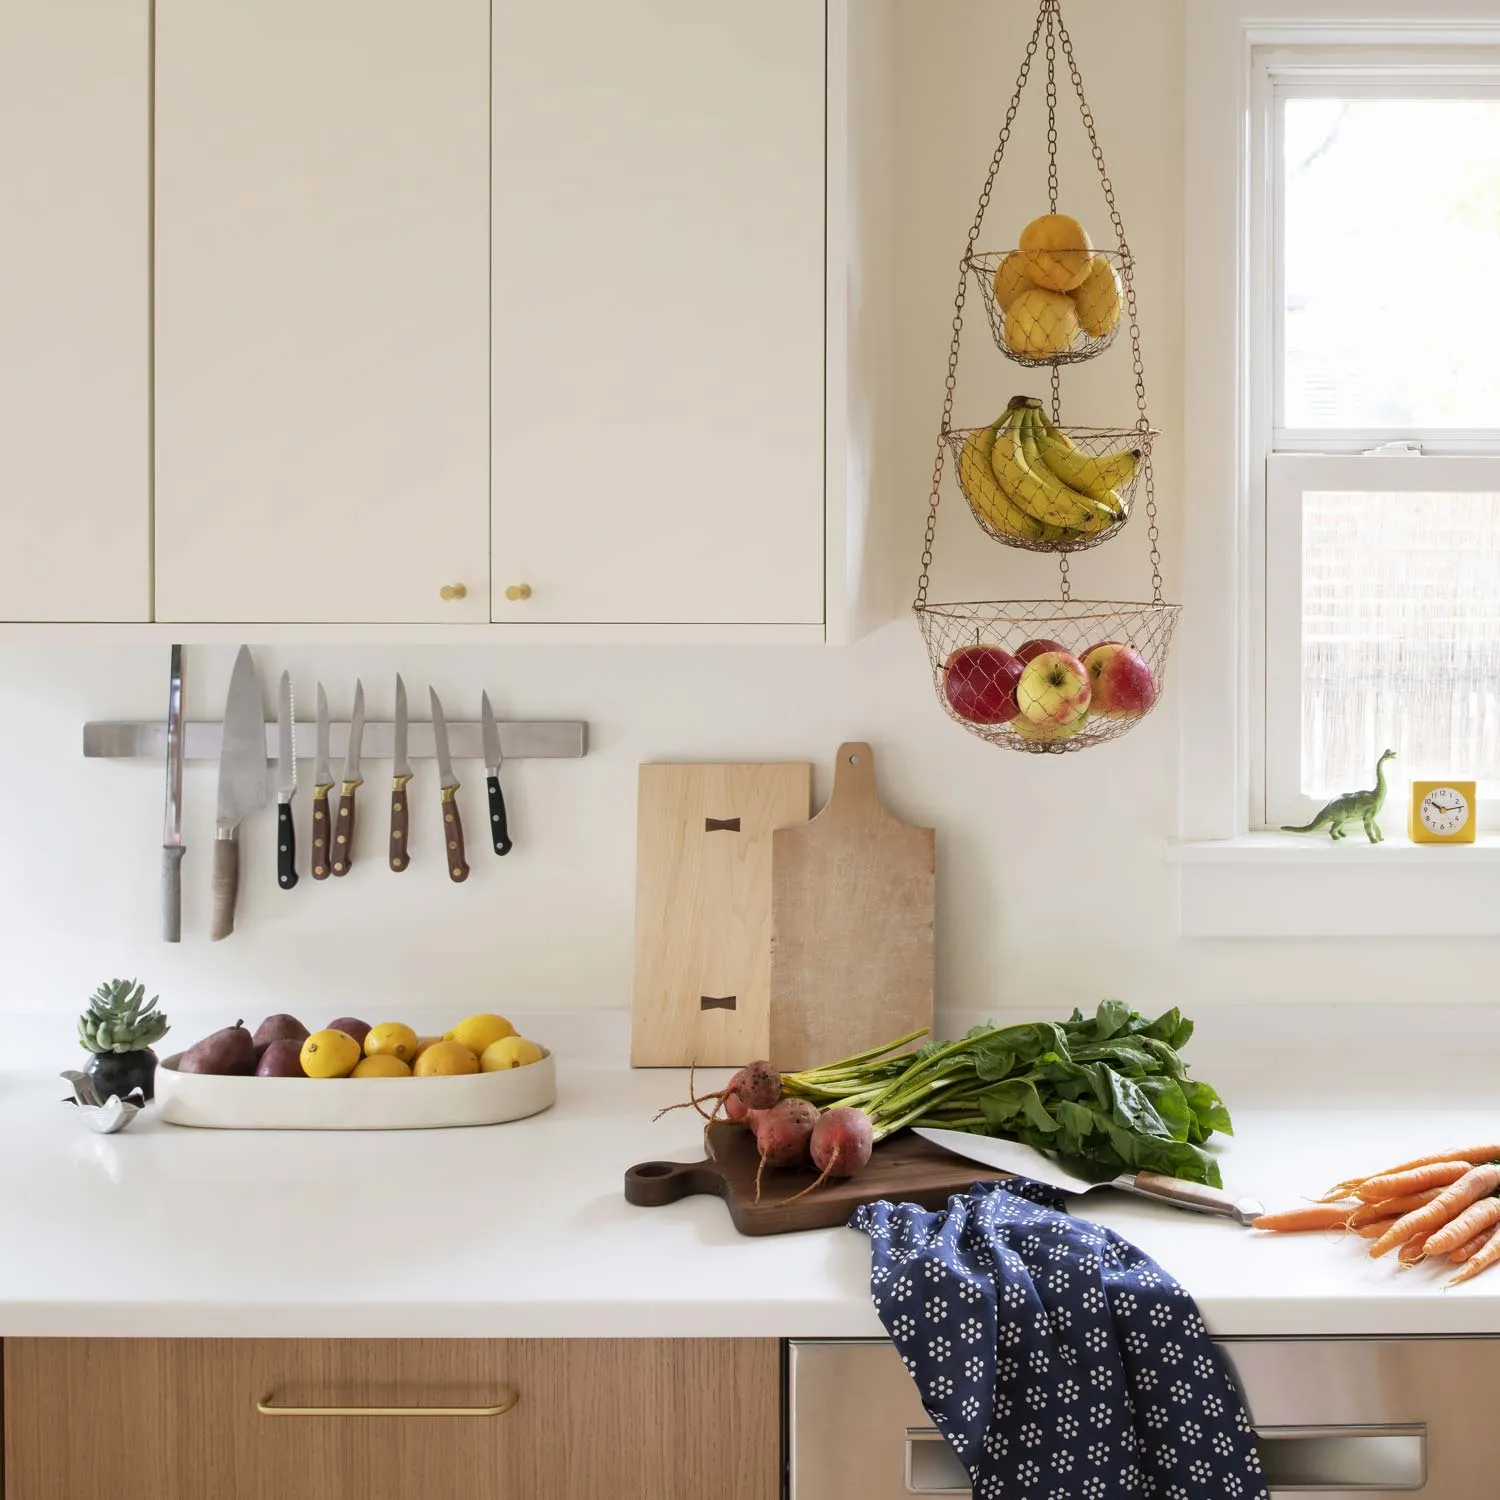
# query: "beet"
(841, 1142)
(783, 1132)
(758, 1084)
(736, 1111)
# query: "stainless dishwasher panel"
(1357, 1419)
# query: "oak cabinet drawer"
(181, 1419)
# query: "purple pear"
(281, 1059)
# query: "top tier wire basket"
(1040, 326)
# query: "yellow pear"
(1058, 252)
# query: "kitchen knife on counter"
(453, 828)
(401, 774)
(286, 784)
(242, 785)
(322, 785)
(493, 760)
(1026, 1161)
(172, 848)
(349, 783)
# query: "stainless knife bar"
(565, 739)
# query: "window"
(1376, 305)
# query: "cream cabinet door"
(322, 295)
(658, 348)
(75, 142)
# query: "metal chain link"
(951, 385)
(1051, 109)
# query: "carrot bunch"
(1436, 1207)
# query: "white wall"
(1053, 889)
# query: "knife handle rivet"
(451, 591)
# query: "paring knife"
(172, 848)
(349, 783)
(242, 785)
(493, 760)
(453, 828)
(401, 774)
(1026, 1161)
(286, 784)
(322, 785)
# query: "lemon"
(391, 1039)
(1097, 299)
(329, 1054)
(1040, 324)
(509, 1052)
(444, 1059)
(381, 1065)
(423, 1043)
(1058, 252)
(477, 1032)
(1011, 279)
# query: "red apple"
(980, 684)
(1054, 691)
(1036, 648)
(1121, 680)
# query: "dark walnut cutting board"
(905, 1169)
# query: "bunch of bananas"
(1024, 477)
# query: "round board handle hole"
(654, 1169)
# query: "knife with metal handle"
(401, 775)
(242, 785)
(171, 842)
(349, 783)
(286, 784)
(453, 828)
(493, 760)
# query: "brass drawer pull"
(267, 1408)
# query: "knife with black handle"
(286, 784)
(493, 760)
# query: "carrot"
(1473, 1185)
(1300, 1220)
(1374, 1229)
(1486, 1256)
(1468, 1249)
(1390, 1208)
(1458, 1231)
(1415, 1180)
(1413, 1251)
(1466, 1153)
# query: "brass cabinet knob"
(452, 591)
(518, 591)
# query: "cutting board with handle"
(905, 1169)
(703, 909)
(852, 909)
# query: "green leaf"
(1133, 1110)
(1203, 1099)
(1112, 1018)
(1172, 1028)
(1169, 1102)
(1006, 1103)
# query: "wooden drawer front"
(159, 1419)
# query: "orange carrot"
(1469, 1249)
(1486, 1256)
(1300, 1220)
(1374, 1229)
(1466, 1153)
(1452, 1201)
(1391, 1208)
(1436, 1174)
(1414, 1250)
(1458, 1231)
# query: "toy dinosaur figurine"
(1352, 807)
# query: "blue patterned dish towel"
(1059, 1361)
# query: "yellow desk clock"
(1443, 812)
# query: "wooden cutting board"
(703, 909)
(852, 906)
(905, 1169)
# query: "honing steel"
(322, 785)
(401, 774)
(1026, 1161)
(242, 785)
(453, 828)
(286, 784)
(349, 783)
(172, 848)
(493, 760)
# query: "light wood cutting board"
(852, 906)
(703, 909)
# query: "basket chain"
(951, 384)
(1064, 573)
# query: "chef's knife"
(453, 828)
(322, 785)
(1025, 1161)
(401, 774)
(242, 784)
(493, 760)
(286, 784)
(349, 783)
(171, 840)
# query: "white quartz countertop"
(521, 1230)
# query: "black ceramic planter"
(119, 1072)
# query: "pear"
(229, 1050)
(282, 1058)
(279, 1027)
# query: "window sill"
(1279, 885)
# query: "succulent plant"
(121, 1019)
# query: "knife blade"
(242, 785)
(493, 760)
(286, 783)
(349, 783)
(172, 848)
(1026, 1161)
(322, 785)
(401, 774)
(453, 828)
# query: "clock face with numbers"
(1444, 811)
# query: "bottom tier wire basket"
(1047, 675)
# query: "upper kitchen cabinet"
(322, 309)
(75, 143)
(658, 344)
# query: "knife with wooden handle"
(401, 775)
(322, 785)
(453, 828)
(349, 784)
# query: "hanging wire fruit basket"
(1048, 676)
